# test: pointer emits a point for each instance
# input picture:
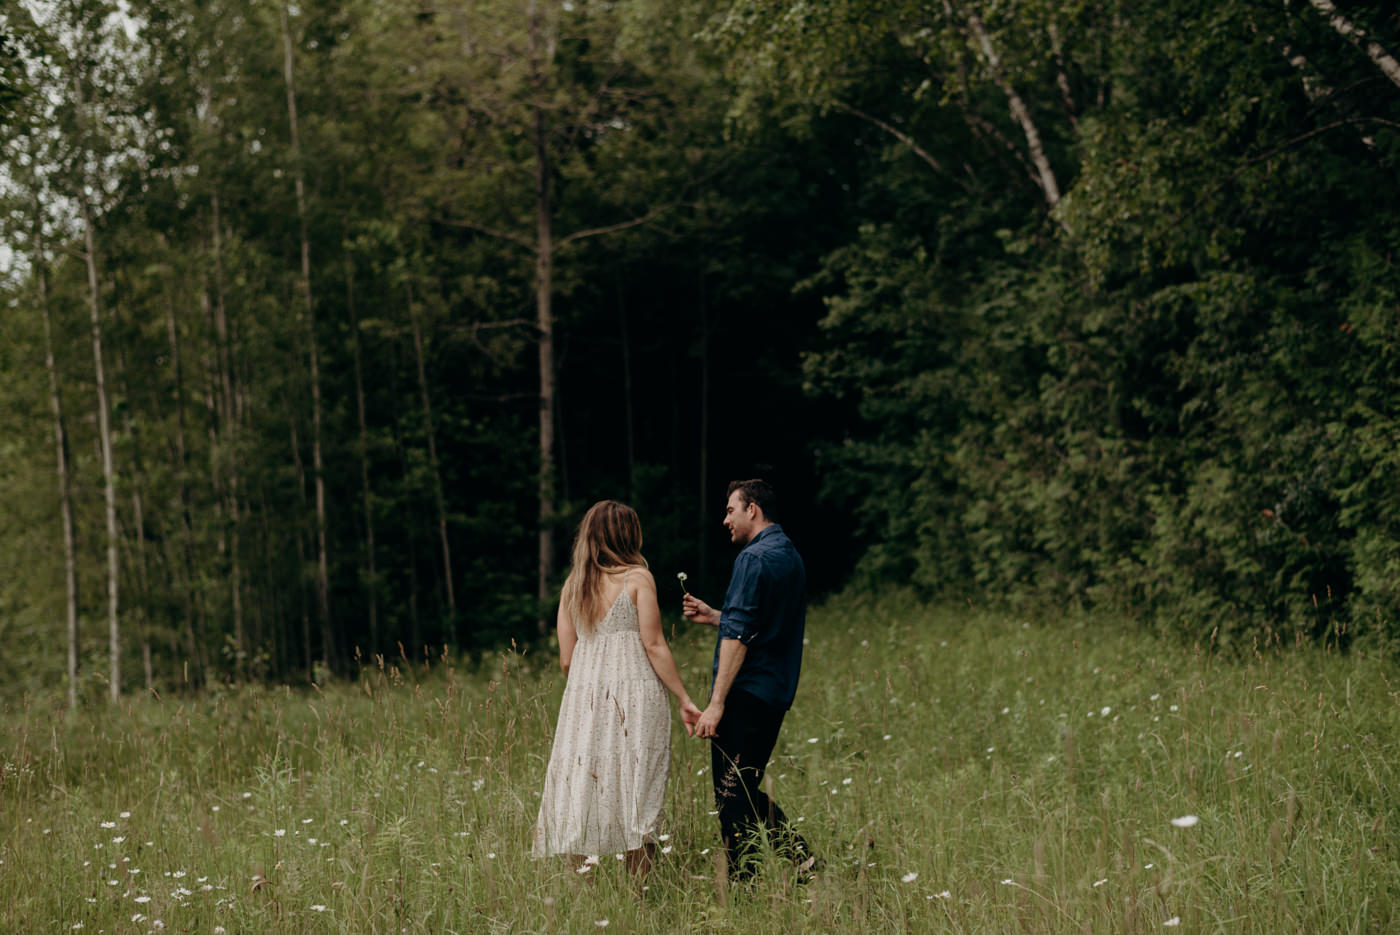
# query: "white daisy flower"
(909, 877)
(1185, 821)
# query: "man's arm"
(731, 657)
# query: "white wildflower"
(909, 877)
(1185, 821)
(1173, 922)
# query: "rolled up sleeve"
(739, 620)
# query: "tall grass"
(957, 771)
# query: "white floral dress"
(606, 781)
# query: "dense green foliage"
(959, 771)
(1066, 302)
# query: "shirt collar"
(764, 532)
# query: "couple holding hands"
(606, 781)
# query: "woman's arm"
(568, 639)
(654, 641)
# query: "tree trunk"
(627, 408)
(1357, 37)
(544, 255)
(371, 583)
(194, 615)
(1019, 112)
(228, 433)
(323, 587)
(65, 497)
(438, 499)
(104, 428)
(703, 439)
(301, 553)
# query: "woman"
(606, 780)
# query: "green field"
(959, 771)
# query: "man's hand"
(692, 608)
(708, 725)
(690, 715)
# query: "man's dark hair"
(756, 491)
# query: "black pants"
(738, 756)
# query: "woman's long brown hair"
(608, 538)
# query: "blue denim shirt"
(766, 610)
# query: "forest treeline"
(324, 321)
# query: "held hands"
(708, 724)
(692, 608)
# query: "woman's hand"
(690, 714)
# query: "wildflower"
(1098, 883)
(1173, 708)
(491, 855)
(280, 833)
(944, 895)
(846, 781)
(591, 859)
(214, 808)
(584, 868)
(118, 839)
(477, 784)
(247, 795)
(306, 821)
(157, 924)
(318, 908)
(344, 822)
(667, 849)
(178, 874)
(1154, 697)
(1106, 711)
(1008, 882)
(601, 923)
(143, 899)
(682, 577)
(1185, 821)
(812, 740)
(220, 930)
(889, 736)
(138, 917)
(109, 824)
(1173, 922)
(909, 877)
(663, 837)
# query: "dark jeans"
(738, 756)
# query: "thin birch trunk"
(323, 588)
(438, 499)
(1045, 175)
(544, 256)
(109, 480)
(1358, 37)
(65, 496)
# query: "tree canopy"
(324, 322)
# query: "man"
(758, 654)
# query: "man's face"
(740, 520)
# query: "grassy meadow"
(958, 772)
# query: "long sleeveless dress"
(606, 781)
